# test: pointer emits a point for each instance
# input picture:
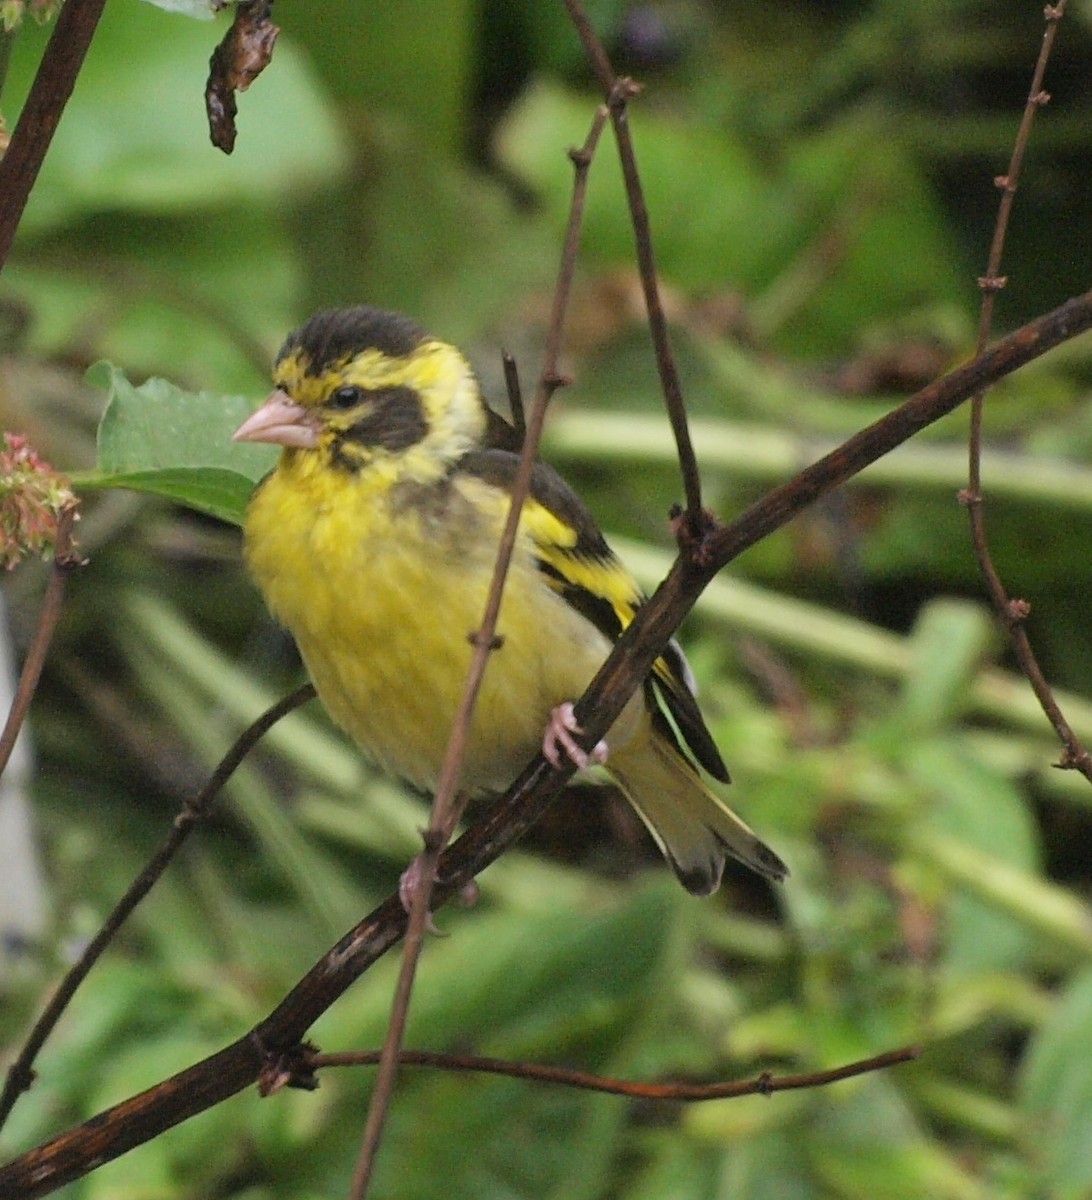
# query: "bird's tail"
(693, 827)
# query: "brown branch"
(53, 84)
(447, 807)
(515, 395)
(140, 1118)
(644, 639)
(1012, 613)
(618, 93)
(64, 559)
(20, 1075)
(764, 1084)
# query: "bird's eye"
(346, 397)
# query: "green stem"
(760, 452)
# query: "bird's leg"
(559, 738)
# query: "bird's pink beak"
(281, 421)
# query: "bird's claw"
(559, 739)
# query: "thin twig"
(619, 92)
(515, 395)
(764, 1084)
(111, 1133)
(447, 808)
(1012, 613)
(64, 559)
(20, 1075)
(53, 84)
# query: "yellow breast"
(381, 584)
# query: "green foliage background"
(820, 182)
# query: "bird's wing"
(578, 563)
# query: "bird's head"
(363, 387)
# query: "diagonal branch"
(20, 1074)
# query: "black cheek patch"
(395, 422)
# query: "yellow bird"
(373, 541)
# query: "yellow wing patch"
(601, 577)
(598, 586)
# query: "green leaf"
(136, 137)
(949, 641)
(769, 1166)
(221, 494)
(971, 816)
(373, 58)
(172, 673)
(573, 985)
(553, 980)
(185, 296)
(897, 255)
(158, 438)
(1044, 908)
(868, 1143)
(1056, 1094)
(769, 224)
(682, 165)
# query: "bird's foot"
(559, 739)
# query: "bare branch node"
(291, 1066)
(1018, 610)
(493, 643)
(22, 1078)
(622, 93)
(580, 157)
(1074, 760)
(190, 813)
(992, 283)
(694, 537)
